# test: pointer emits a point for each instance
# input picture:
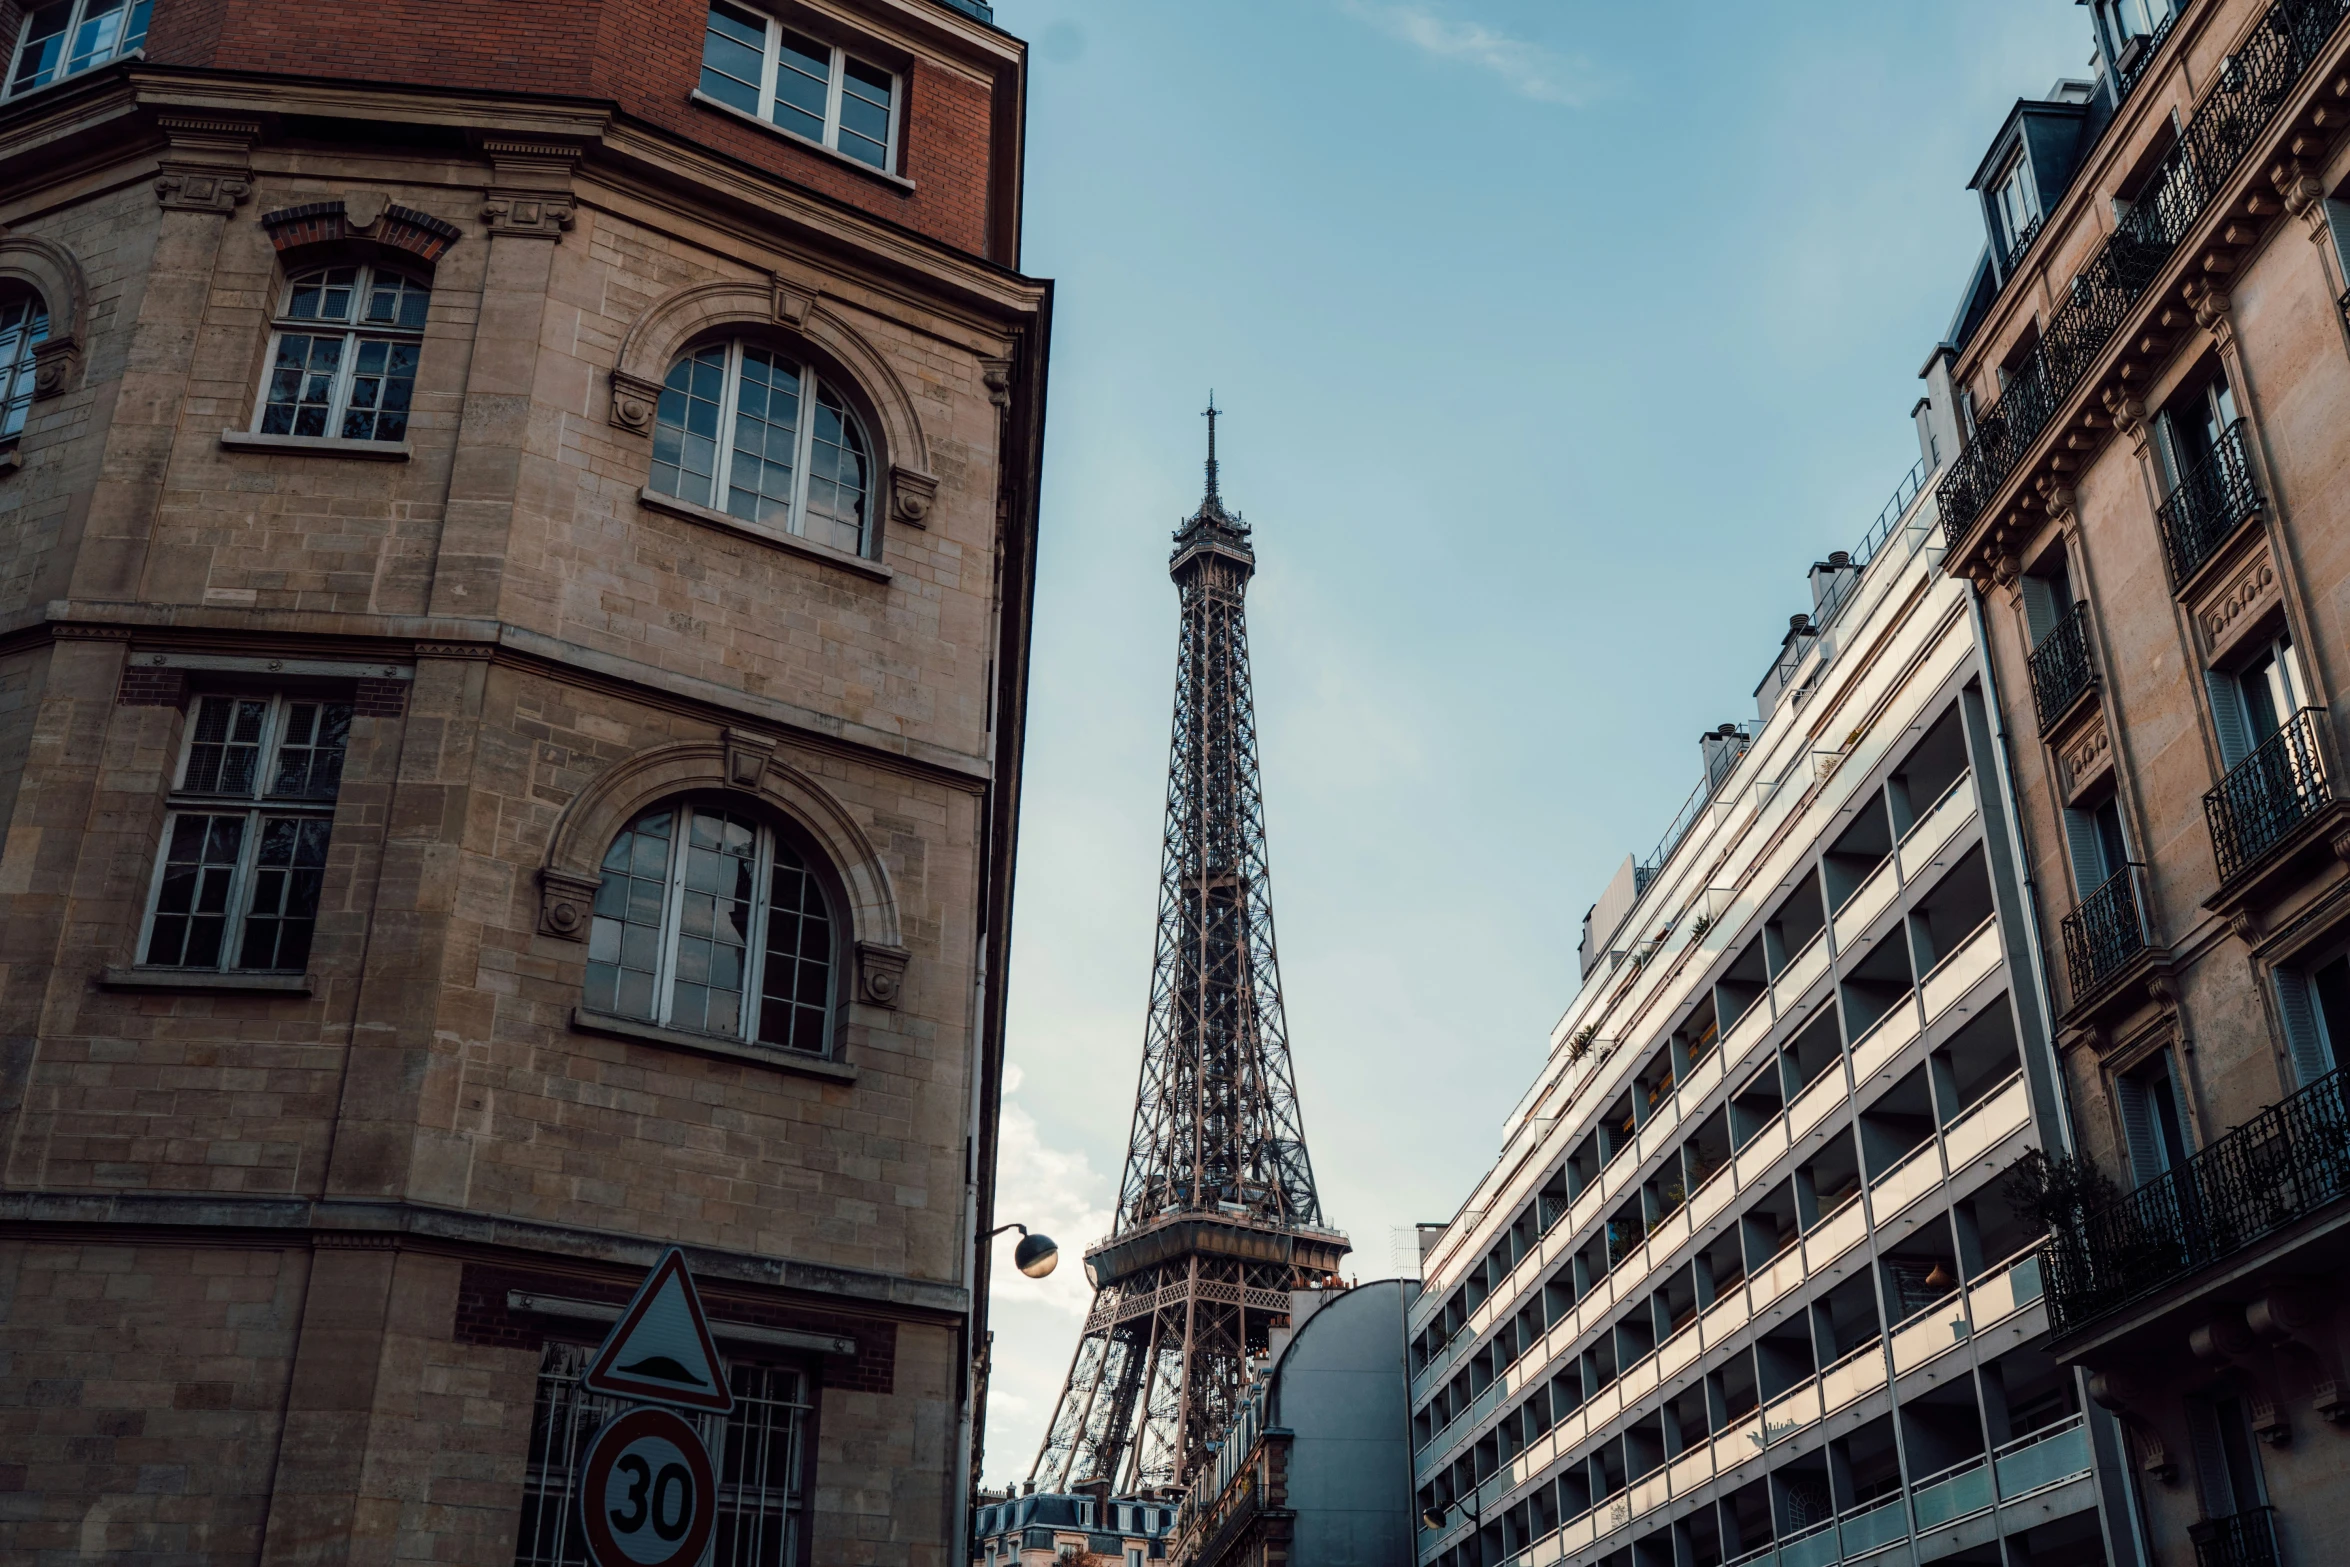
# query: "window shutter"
(2338, 224)
(2227, 716)
(2211, 1460)
(2080, 836)
(2311, 1059)
(2166, 450)
(2040, 608)
(2138, 1129)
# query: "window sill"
(314, 446)
(899, 182)
(207, 981)
(654, 500)
(11, 458)
(128, 56)
(587, 1022)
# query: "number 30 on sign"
(647, 1495)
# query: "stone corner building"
(516, 535)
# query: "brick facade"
(257, 1235)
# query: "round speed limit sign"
(647, 1496)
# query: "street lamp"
(1036, 1255)
(1435, 1517)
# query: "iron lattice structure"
(1217, 1215)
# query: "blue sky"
(1557, 339)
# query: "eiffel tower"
(1217, 1216)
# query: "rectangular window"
(760, 1453)
(2152, 1125)
(70, 36)
(808, 87)
(345, 357)
(238, 880)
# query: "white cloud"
(1529, 69)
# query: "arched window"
(707, 921)
(343, 359)
(750, 432)
(24, 326)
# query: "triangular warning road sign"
(660, 1350)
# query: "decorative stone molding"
(2242, 598)
(747, 756)
(911, 495)
(566, 902)
(881, 973)
(2246, 923)
(2111, 1390)
(362, 209)
(529, 195)
(322, 223)
(997, 374)
(2226, 1342)
(634, 402)
(2129, 417)
(2296, 1325)
(597, 814)
(2214, 312)
(209, 167)
(719, 306)
(2302, 191)
(55, 273)
(528, 214)
(2087, 759)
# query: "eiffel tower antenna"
(1218, 1219)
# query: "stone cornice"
(392, 1223)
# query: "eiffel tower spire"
(1218, 1219)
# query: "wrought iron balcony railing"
(2062, 670)
(2264, 797)
(2344, 304)
(2127, 76)
(2287, 1162)
(2253, 85)
(2023, 242)
(2215, 499)
(2106, 932)
(2245, 1539)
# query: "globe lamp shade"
(1036, 1256)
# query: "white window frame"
(836, 83)
(74, 24)
(755, 944)
(255, 805)
(803, 447)
(20, 336)
(354, 329)
(2023, 210)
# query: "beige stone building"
(2145, 409)
(516, 529)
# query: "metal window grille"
(2214, 499)
(2271, 792)
(2246, 1539)
(759, 1451)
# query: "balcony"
(2270, 793)
(2023, 242)
(2284, 1164)
(2216, 498)
(2106, 933)
(2136, 55)
(2062, 670)
(2246, 1539)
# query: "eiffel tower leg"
(1067, 1431)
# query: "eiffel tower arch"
(1218, 1219)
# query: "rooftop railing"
(2253, 85)
(2106, 933)
(2216, 498)
(2283, 783)
(2062, 670)
(2287, 1162)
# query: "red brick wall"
(643, 55)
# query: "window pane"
(733, 54)
(803, 83)
(301, 384)
(796, 988)
(864, 114)
(714, 923)
(766, 436)
(24, 326)
(44, 46)
(224, 745)
(191, 907)
(99, 38)
(283, 909)
(393, 300)
(624, 939)
(685, 427)
(310, 757)
(324, 295)
(837, 476)
(383, 383)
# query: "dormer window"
(2016, 199)
(814, 90)
(2129, 19)
(72, 36)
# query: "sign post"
(648, 1492)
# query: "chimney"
(1831, 577)
(1720, 748)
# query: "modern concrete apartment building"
(515, 550)
(2152, 375)
(1743, 1285)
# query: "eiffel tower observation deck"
(1218, 1220)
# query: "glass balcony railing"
(2282, 784)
